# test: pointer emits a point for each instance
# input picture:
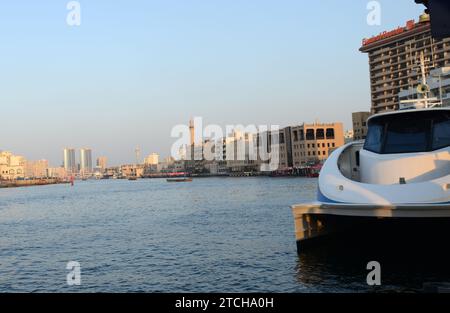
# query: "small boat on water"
(179, 180)
(132, 178)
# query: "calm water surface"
(211, 235)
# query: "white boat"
(400, 173)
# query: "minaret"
(192, 131)
(192, 141)
(138, 155)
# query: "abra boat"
(179, 180)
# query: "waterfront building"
(112, 171)
(69, 161)
(285, 146)
(128, 170)
(313, 143)
(102, 163)
(349, 136)
(178, 166)
(152, 159)
(394, 58)
(57, 172)
(86, 161)
(36, 169)
(438, 83)
(12, 166)
(240, 153)
(248, 152)
(359, 120)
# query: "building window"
(320, 134)
(330, 133)
(302, 135)
(310, 134)
(295, 135)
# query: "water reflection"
(411, 253)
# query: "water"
(211, 235)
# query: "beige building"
(307, 143)
(349, 136)
(102, 162)
(36, 169)
(152, 159)
(240, 153)
(359, 120)
(394, 57)
(312, 143)
(12, 166)
(132, 170)
(57, 172)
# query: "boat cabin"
(401, 147)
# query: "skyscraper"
(69, 161)
(394, 58)
(86, 161)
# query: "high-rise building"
(394, 57)
(86, 161)
(360, 125)
(102, 162)
(70, 164)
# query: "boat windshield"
(410, 132)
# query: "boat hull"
(315, 221)
(179, 180)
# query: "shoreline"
(30, 183)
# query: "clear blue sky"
(134, 69)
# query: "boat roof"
(408, 111)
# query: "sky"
(134, 69)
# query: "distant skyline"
(134, 69)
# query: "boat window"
(441, 134)
(374, 138)
(409, 132)
(407, 135)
